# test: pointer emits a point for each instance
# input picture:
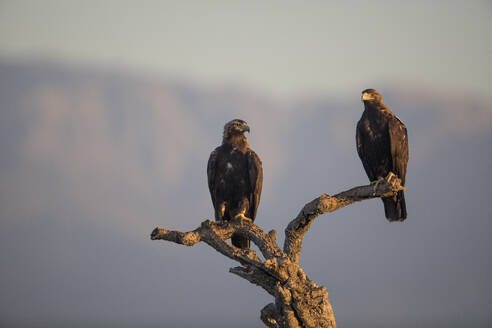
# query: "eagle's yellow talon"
(242, 217)
(391, 177)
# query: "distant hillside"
(92, 160)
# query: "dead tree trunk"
(299, 302)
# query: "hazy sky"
(281, 46)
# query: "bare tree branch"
(299, 302)
(256, 277)
(298, 227)
(214, 234)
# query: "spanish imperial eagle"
(382, 144)
(235, 177)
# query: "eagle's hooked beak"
(246, 128)
(366, 96)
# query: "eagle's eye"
(235, 127)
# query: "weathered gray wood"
(299, 302)
(298, 227)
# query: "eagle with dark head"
(235, 177)
(382, 144)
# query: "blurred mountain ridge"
(93, 159)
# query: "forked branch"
(299, 302)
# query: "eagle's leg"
(220, 211)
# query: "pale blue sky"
(283, 47)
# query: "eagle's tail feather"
(395, 208)
(240, 241)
